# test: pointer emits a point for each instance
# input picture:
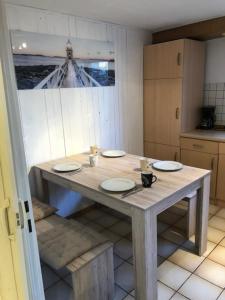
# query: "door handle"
(177, 113)
(212, 163)
(4, 219)
(175, 156)
(179, 58)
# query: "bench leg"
(95, 280)
(191, 218)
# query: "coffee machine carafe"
(207, 117)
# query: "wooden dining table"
(143, 207)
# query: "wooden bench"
(92, 272)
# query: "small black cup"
(147, 179)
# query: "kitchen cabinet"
(164, 60)
(220, 191)
(173, 84)
(162, 111)
(162, 152)
(204, 161)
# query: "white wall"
(67, 121)
(215, 61)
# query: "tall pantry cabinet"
(173, 86)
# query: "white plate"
(118, 185)
(166, 165)
(67, 167)
(113, 153)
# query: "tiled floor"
(181, 273)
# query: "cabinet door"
(220, 191)
(162, 152)
(164, 60)
(203, 161)
(162, 101)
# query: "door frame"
(29, 245)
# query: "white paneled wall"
(67, 121)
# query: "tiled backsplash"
(214, 94)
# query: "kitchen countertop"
(210, 135)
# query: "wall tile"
(214, 94)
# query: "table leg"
(202, 216)
(144, 231)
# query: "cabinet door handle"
(212, 163)
(177, 113)
(175, 156)
(179, 59)
(197, 146)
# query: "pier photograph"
(44, 61)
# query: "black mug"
(147, 179)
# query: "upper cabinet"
(164, 60)
(173, 86)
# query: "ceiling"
(150, 14)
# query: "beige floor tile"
(218, 255)
(215, 235)
(166, 248)
(119, 293)
(222, 296)
(161, 227)
(177, 210)
(181, 224)
(178, 296)
(221, 213)
(123, 249)
(222, 243)
(107, 220)
(168, 217)
(93, 214)
(190, 244)
(186, 259)
(49, 277)
(196, 288)
(210, 247)
(121, 228)
(217, 222)
(212, 272)
(213, 209)
(117, 261)
(61, 290)
(210, 216)
(160, 260)
(164, 292)
(174, 235)
(124, 276)
(172, 275)
(182, 203)
(128, 297)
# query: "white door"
(20, 271)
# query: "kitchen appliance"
(207, 117)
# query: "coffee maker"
(207, 117)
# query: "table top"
(168, 183)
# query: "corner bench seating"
(86, 254)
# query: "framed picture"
(44, 61)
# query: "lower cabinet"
(220, 189)
(202, 160)
(161, 152)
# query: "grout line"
(51, 285)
